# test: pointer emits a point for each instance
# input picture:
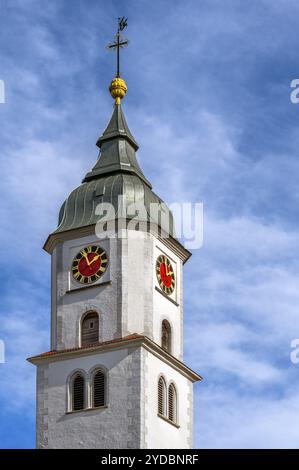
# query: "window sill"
(95, 408)
(166, 296)
(169, 421)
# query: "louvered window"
(172, 403)
(166, 336)
(90, 329)
(99, 391)
(161, 397)
(78, 393)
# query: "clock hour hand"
(94, 259)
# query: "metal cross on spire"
(119, 41)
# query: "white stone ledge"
(168, 421)
(95, 408)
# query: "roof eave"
(58, 237)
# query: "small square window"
(91, 325)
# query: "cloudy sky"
(209, 104)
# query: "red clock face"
(89, 264)
(165, 274)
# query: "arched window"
(99, 389)
(90, 329)
(166, 336)
(161, 397)
(78, 392)
(172, 403)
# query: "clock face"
(89, 264)
(165, 274)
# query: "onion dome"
(116, 173)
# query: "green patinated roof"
(116, 173)
(118, 148)
(79, 208)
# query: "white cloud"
(38, 178)
(228, 419)
(220, 348)
(24, 333)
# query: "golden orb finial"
(118, 89)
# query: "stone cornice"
(133, 341)
(173, 244)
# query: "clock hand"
(166, 272)
(86, 257)
(94, 259)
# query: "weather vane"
(119, 41)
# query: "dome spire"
(118, 87)
(117, 144)
(116, 172)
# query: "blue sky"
(209, 104)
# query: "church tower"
(115, 376)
